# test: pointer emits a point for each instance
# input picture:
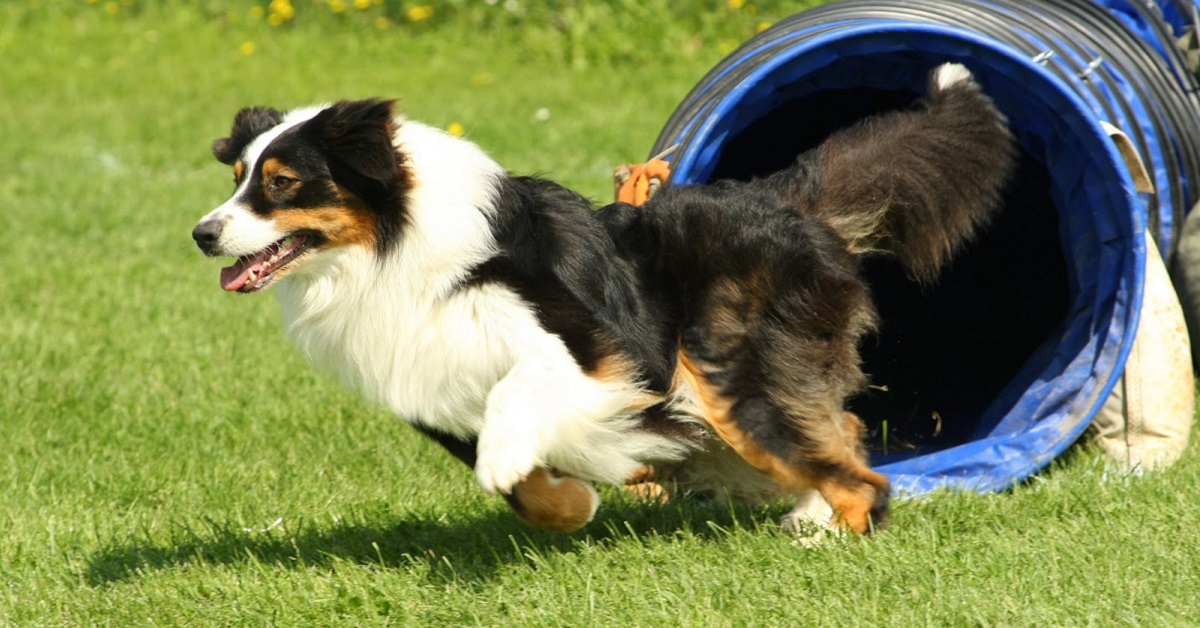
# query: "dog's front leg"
(550, 428)
(519, 424)
(525, 412)
(546, 412)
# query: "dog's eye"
(282, 183)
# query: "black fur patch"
(563, 262)
(767, 298)
(355, 138)
(462, 449)
(248, 124)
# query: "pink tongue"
(235, 277)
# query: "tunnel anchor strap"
(1133, 161)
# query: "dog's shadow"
(473, 550)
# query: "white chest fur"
(430, 359)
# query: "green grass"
(166, 457)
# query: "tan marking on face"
(553, 502)
(338, 226)
(272, 167)
(239, 168)
(851, 492)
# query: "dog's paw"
(810, 520)
(503, 462)
(557, 503)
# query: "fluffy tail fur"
(915, 183)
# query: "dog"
(708, 338)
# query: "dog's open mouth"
(253, 272)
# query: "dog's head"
(304, 182)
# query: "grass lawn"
(166, 456)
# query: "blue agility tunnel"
(985, 377)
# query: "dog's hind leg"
(801, 449)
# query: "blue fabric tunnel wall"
(985, 377)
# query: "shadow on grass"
(469, 551)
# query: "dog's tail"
(916, 183)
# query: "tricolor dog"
(707, 339)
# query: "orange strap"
(634, 183)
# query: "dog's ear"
(249, 123)
(358, 134)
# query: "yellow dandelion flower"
(420, 12)
(455, 129)
(726, 47)
(281, 11)
(92, 1)
(362, 4)
(337, 6)
(111, 8)
(734, 5)
(382, 22)
(246, 49)
(762, 26)
(481, 79)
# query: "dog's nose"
(206, 234)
